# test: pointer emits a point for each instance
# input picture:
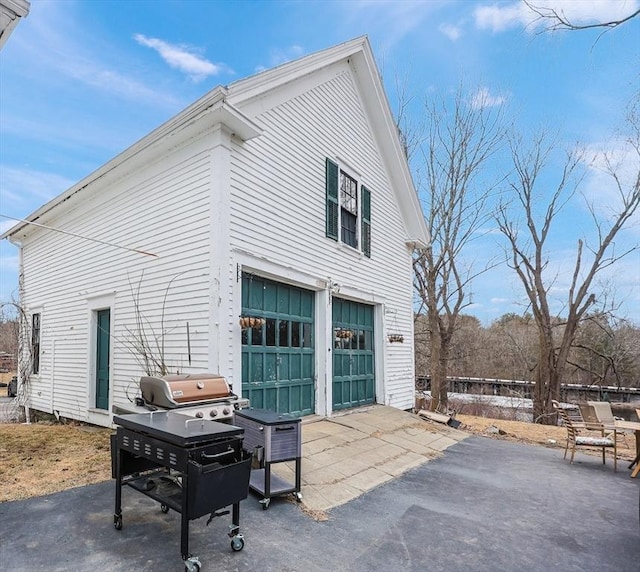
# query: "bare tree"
(605, 351)
(22, 342)
(146, 342)
(528, 250)
(557, 19)
(462, 136)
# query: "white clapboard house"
(284, 197)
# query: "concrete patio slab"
(356, 451)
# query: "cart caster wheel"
(164, 508)
(237, 543)
(265, 503)
(298, 497)
(192, 564)
(117, 521)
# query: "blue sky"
(80, 81)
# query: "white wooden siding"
(276, 192)
(165, 211)
(278, 208)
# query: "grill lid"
(176, 429)
(171, 391)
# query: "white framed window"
(36, 320)
(348, 209)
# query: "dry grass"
(40, 458)
(5, 377)
(43, 458)
(535, 434)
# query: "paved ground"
(483, 505)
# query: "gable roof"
(224, 105)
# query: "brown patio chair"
(578, 434)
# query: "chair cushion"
(594, 441)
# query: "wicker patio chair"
(577, 434)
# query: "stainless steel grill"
(198, 395)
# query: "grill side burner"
(193, 466)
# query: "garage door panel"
(307, 397)
(284, 370)
(281, 360)
(353, 355)
(308, 363)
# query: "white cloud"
(389, 20)
(501, 17)
(59, 48)
(278, 56)
(6, 224)
(450, 31)
(483, 98)
(182, 58)
(600, 188)
(21, 187)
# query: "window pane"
(348, 193)
(306, 336)
(349, 233)
(295, 334)
(284, 333)
(245, 336)
(270, 332)
(368, 340)
(35, 343)
(256, 336)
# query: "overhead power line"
(79, 236)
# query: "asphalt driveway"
(485, 505)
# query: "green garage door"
(278, 361)
(353, 363)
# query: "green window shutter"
(332, 199)
(366, 222)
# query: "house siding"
(278, 210)
(163, 212)
(235, 182)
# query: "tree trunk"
(438, 367)
(547, 384)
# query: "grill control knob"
(199, 414)
(226, 411)
(200, 385)
(213, 412)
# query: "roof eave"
(213, 105)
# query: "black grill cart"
(273, 438)
(193, 466)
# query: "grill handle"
(218, 455)
(196, 420)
